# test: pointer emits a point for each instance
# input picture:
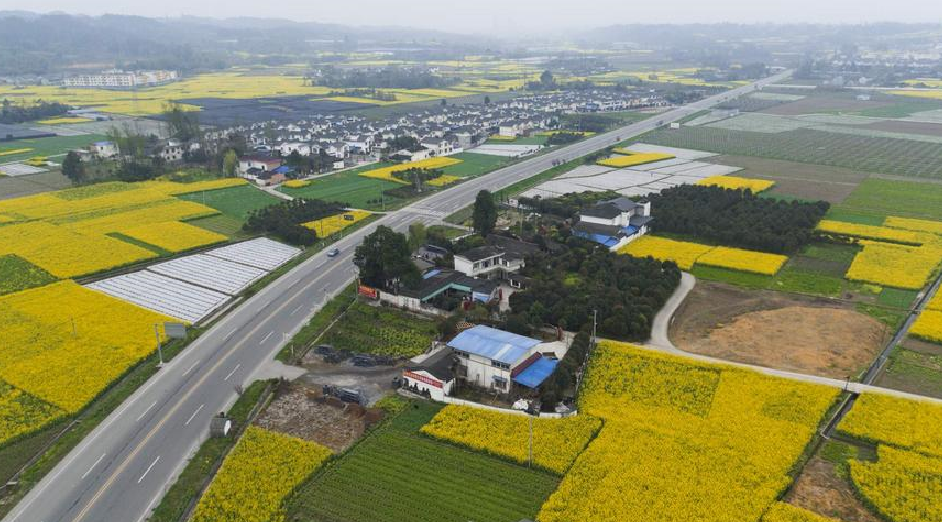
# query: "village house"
(614, 223)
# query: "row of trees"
(18, 113)
(285, 219)
(567, 205)
(565, 289)
(737, 218)
(384, 78)
(562, 382)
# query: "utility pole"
(530, 460)
(160, 353)
(595, 324)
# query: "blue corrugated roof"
(536, 373)
(494, 344)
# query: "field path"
(660, 341)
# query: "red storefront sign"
(366, 291)
(421, 378)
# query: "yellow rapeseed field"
(296, 183)
(22, 413)
(10, 152)
(686, 254)
(917, 225)
(627, 158)
(743, 260)
(904, 486)
(935, 303)
(900, 422)
(333, 224)
(258, 474)
(782, 512)
(64, 343)
(893, 265)
(385, 173)
(683, 253)
(556, 442)
(928, 326)
(892, 235)
(737, 183)
(684, 440)
(66, 232)
(442, 180)
(65, 120)
(173, 236)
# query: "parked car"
(334, 252)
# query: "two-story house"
(614, 223)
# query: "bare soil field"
(304, 413)
(820, 489)
(908, 127)
(816, 104)
(802, 180)
(776, 330)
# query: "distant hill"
(33, 43)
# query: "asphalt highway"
(121, 470)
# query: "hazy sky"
(503, 16)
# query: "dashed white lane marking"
(152, 464)
(97, 462)
(267, 337)
(232, 372)
(188, 421)
(141, 416)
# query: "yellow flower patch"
(173, 235)
(856, 230)
(687, 254)
(684, 440)
(333, 224)
(917, 225)
(557, 442)
(737, 183)
(897, 266)
(385, 173)
(928, 326)
(904, 486)
(296, 183)
(683, 253)
(627, 158)
(442, 180)
(64, 343)
(22, 413)
(903, 423)
(64, 253)
(63, 121)
(743, 260)
(258, 474)
(11, 152)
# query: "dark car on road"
(334, 252)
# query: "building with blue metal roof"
(491, 358)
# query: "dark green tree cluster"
(567, 205)
(563, 138)
(418, 177)
(284, 219)
(565, 289)
(385, 260)
(562, 381)
(484, 216)
(73, 167)
(737, 218)
(18, 113)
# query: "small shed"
(220, 426)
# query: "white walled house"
(487, 262)
(287, 148)
(260, 163)
(494, 359)
(434, 376)
(614, 223)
